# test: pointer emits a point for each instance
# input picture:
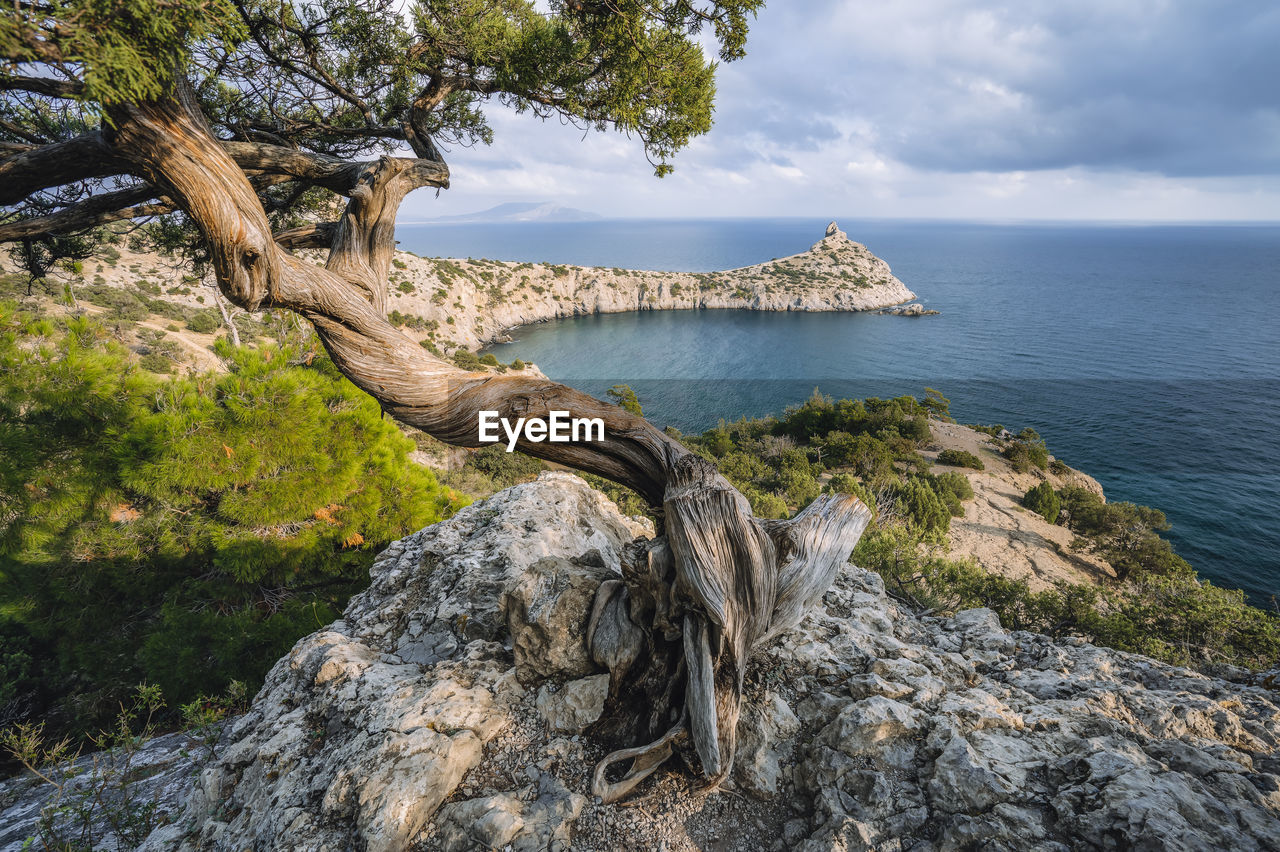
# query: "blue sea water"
(1148, 357)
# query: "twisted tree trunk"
(677, 631)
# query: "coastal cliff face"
(466, 304)
(484, 298)
(449, 710)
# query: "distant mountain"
(524, 211)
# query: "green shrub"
(183, 532)
(1027, 450)
(156, 362)
(467, 360)
(204, 322)
(413, 321)
(1044, 501)
(625, 398)
(960, 458)
(628, 501)
(799, 487)
(765, 505)
(954, 485)
(742, 469)
(939, 406)
(924, 508)
(844, 483)
(1175, 618)
(502, 467)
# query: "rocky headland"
(470, 303)
(451, 709)
(451, 304)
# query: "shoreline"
(898, 309)
(451, 304)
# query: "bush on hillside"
(502, 467)
(1163, 610)
(624, 397)
(187, 532)
(205, 321)
(1044, 501)
(1027, 450)
(1124, 534)
(1175, 618)
(924, 509)
(960, 458)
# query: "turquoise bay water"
(1146, 356)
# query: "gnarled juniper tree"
(230, 119)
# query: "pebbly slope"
(447, 710)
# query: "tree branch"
(94, 211)
(337, 175)
(318, 235)
(82, 158)
(48, 86)
(86, 157)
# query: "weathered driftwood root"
(645, 760)
(677, 631)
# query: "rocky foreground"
(450, 710)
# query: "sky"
(1142, 110)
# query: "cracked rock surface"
(446, 711)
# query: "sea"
(1146, 356)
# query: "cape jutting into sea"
(1149, 357)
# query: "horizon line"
(1032, 221)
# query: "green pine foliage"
(624, 397)
(925, 509)
(504, 468)
(960, 458)
(869, 448)
(128, 49)
(184, 532)
(1125, 534)
(1044, 501)
(1175, 618)
(1026, 450)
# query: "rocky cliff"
(469, 303)
(449, 709)
(453, 304)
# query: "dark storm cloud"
(1181, 87)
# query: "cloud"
(944, 108)
(1177, 88)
